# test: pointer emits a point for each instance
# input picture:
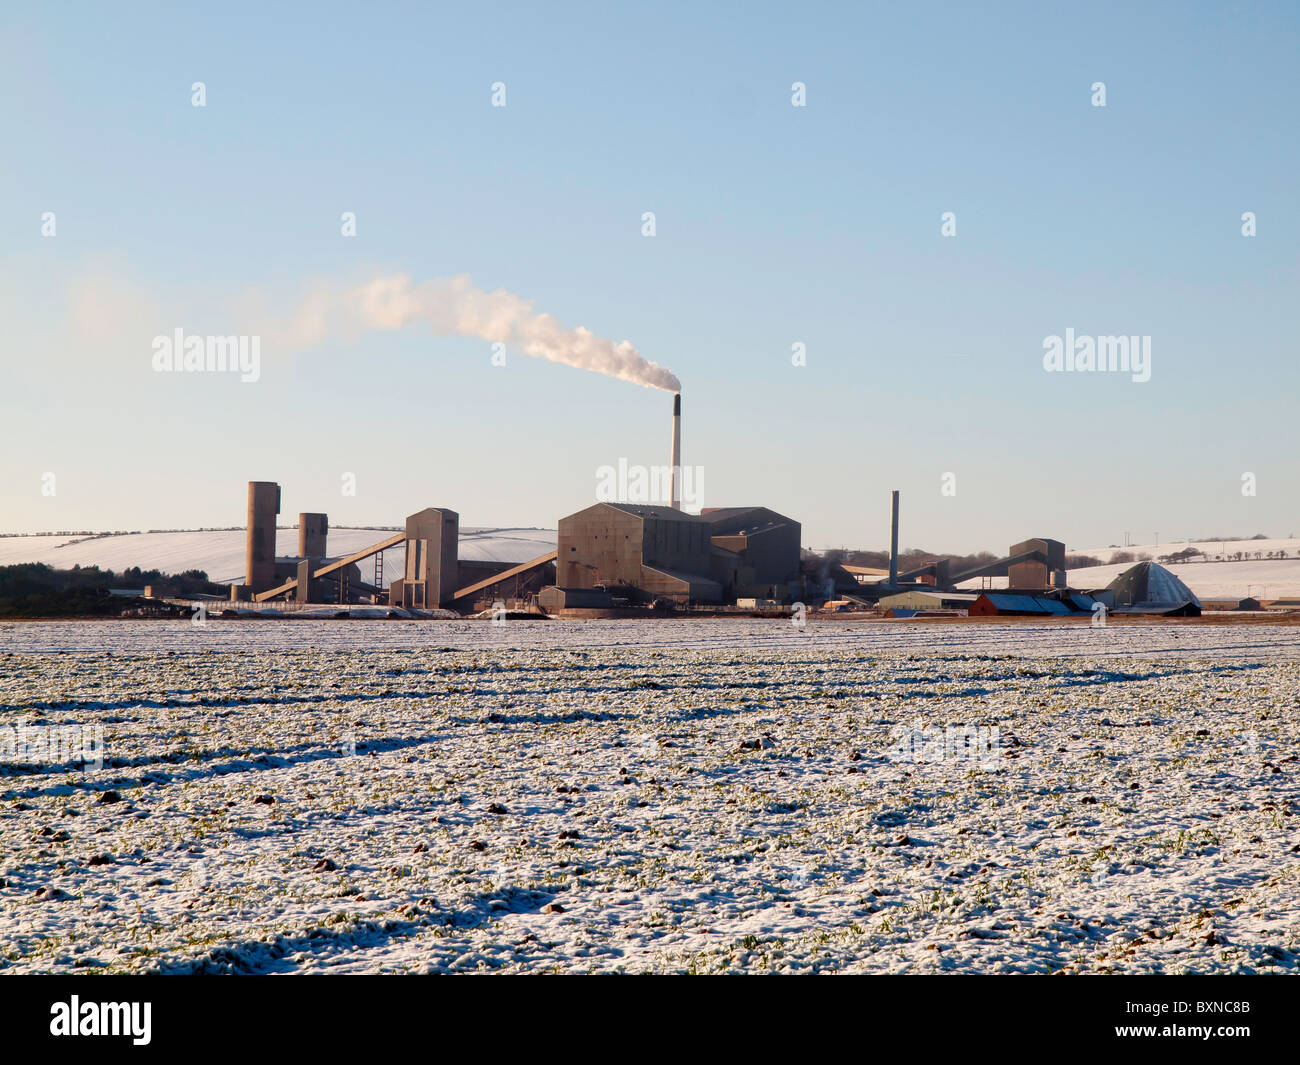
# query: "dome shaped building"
(1149, 588)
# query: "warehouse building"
(922, 600)
(644, 552)
(638, 551)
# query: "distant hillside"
(1266, 568)
(1207, 550)
(220, 552)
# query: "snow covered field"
(672, 796)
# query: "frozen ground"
(653, 796)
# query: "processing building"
(265, 572)
(755, 553)
(638, 551)
(644, 552)
(434, 576)
(1149, 588)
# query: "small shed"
(552, 599)
(915, 599)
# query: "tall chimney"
(676, 463)
(893, 543)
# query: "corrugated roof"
(1164, 607)
(934, 598)
(695, 580)
(647, 510)
(1031, 604)
(745, 521)
(1150, 583)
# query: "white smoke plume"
(454, 307)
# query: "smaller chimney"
(893, 543)
(312, 532)
(676, 457)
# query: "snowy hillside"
(1214, 550)
(1271, 579)
(220, 553)
(1222, 577)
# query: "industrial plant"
(616, 557)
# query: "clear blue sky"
(775, 225)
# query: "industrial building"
(641, 553)
(1009, 604)
(612, 557)
(755, 553)
(434, 576)
(927, 600)
(1149, 588)
(263, 508)
(637, 552)
(432, 544)
(264, 571)
(616, 555)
